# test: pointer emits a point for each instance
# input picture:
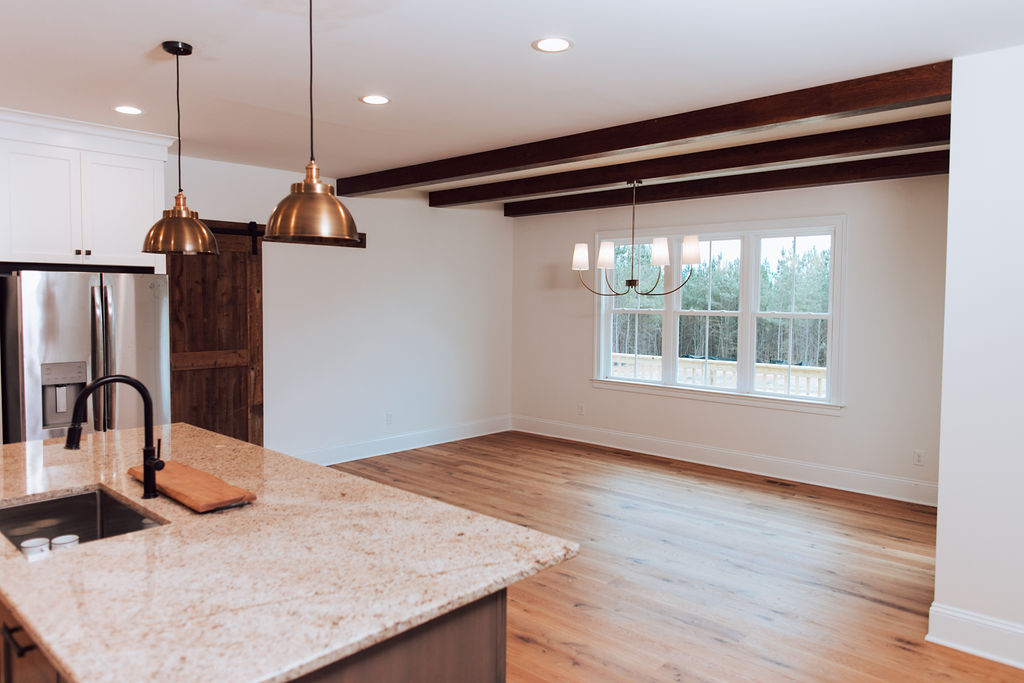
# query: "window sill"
(757, 401)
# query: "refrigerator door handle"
(98, 412)
(110, 355)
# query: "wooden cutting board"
(199, 490)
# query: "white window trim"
(751, 232)
(773, 402)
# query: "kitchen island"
(324, 565)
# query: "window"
(708, 318)
(757, 316)
(793, 315)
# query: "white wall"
(415, 325)
(893, 339)
(228, 192)
(979, 573)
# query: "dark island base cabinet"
(466, 645)
(20, 660)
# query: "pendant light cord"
(311, 156)
(177, 98)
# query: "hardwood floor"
(691, 573)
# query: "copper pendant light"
(311, 214)
(179, 231)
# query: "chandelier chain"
(632, 236)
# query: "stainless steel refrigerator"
(61, 330)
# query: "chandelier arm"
(681, 285)
(609, 283)
(594, 291)
(650, 292)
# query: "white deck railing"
(804, 380)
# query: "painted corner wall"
(413, 327)
(895, 265)
(979, 572)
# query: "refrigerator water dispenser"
(61, 385)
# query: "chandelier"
(659, 258)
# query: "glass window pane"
(723, 333)
(771, 370)
(808, 375)
(636, 346)
(643, 270)
(813, 254)
(791, 357)
(623, 360)
(707, 350)
(725, 275)
(776, 290)
(691, 363)
(694, 296)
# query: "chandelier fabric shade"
(659, 252)
(606, 255)
(580, 257)
(691, 250)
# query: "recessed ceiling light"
(128, 109)
(374, 99)
(551, 44)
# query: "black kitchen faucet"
(151, 461)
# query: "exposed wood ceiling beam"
(871, 139)
(893, 90)
(884, 168)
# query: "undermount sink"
(90, 516)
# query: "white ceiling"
(461, 74)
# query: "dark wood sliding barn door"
(216, 321)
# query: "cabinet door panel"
(40, 216)
(120, 202)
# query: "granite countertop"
(322, 565)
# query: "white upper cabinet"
(78, 193)
(41, 205)
(121, 198)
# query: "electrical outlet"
(387, 418)
(579, 408)
(919, 457)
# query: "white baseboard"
(996, 639)
(847, 479)
(405, 441)
(844, 478)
